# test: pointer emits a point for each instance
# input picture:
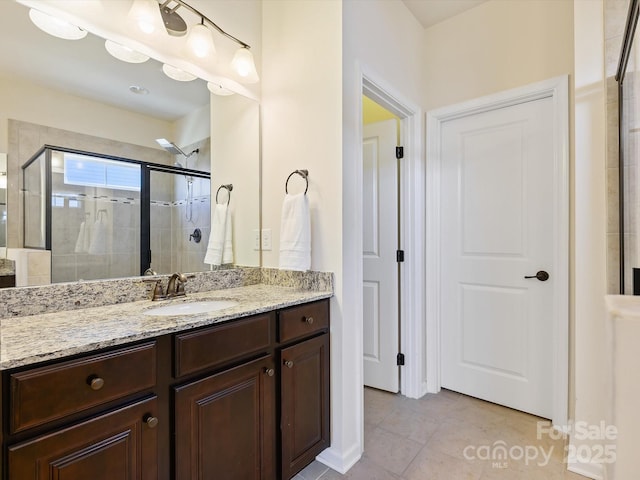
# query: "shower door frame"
(145, 193)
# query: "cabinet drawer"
(120, 445)
(221, 344)
(52, 392)
(302, 321)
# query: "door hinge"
(399, 256)
(400, 359)
(399, 152)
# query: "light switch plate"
(256, 239)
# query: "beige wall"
(498, 45)
(302, 129)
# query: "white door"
(497, 224)
(380, 242)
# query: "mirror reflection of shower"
(173, 149)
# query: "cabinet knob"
(288, 364)
(95, 382)
(150, 420)
(270, 371)
(308, 320)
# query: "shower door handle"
(541, 275)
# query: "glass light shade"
(244, 66)
(56, 27)
(177, 74)
(146, 14)
(200, 41)
(218, 89)
(123, 53)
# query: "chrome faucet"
(175, 287)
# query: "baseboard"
(338, 461)
(589, 470)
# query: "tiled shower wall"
(172, 248)
(615, 15)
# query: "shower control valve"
(196, 235)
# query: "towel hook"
(228, 187)
(304, 174)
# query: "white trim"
(340, 462)
(412, 227)
(589, 470)
(558, 89)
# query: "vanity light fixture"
(218, 89)
(55, 26)
(199, 39)
(146, 15)
(177, 74)
(124, 53)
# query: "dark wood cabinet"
(304, 404)
(225, 424)
(246, 399)
(122, 445)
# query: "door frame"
(558, 90)
(412, 227)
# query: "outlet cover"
(266, 239)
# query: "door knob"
(541, 275)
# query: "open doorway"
(380, 246)
(405, 236)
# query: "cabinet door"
(225, 425)
(304, 403)
(119, 445)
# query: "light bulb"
(244, 66)
(200, 41)
(146, 14)
(55, 26)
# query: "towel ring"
(228, 187)
(304, 174)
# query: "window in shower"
(104, 217)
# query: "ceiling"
(430, 12)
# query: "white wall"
(381, 39)
(590, 224)
(235, 159)
(302, 128)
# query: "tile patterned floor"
(427, 439)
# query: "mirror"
(73, 94)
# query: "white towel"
(81, 239)
(220, 246)
(295, 233)
(98, 238)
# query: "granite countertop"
(36, 338)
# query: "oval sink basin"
(191, 308)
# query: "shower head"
(170, 146)
(174, 149)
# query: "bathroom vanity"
(236, 394)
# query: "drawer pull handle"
(288, 364)
(150, 420)
(308, 320)
(95, 382)
(270, 372)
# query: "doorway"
(381, 238)
(497, 324)
(410, 225)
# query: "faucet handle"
(157, 294)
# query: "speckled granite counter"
(31, 339)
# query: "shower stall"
(110, 217)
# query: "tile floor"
(427, 439)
